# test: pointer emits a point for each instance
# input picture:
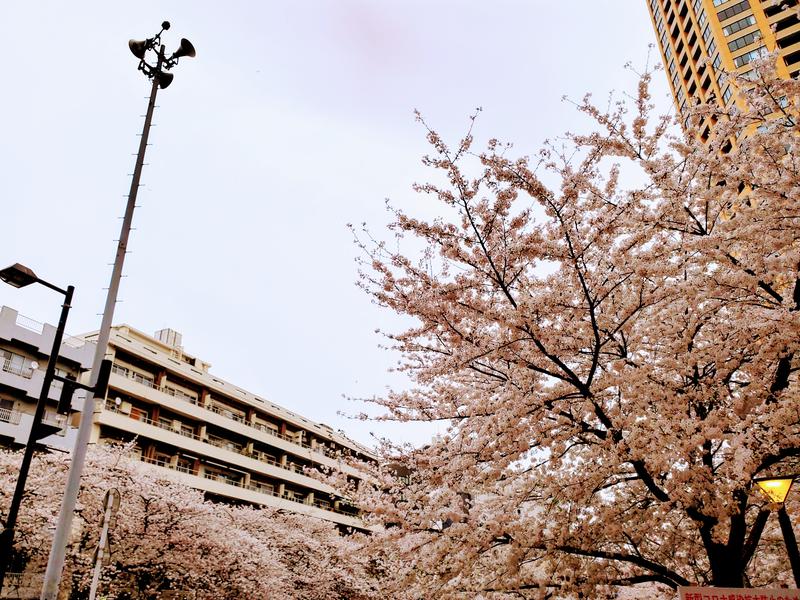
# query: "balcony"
(16, 425)
(212, 440)
(10, 416)
(133, 376)
(288, 444)
(265, 489)
(23, 369)
(175, 393)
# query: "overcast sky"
(295, 119)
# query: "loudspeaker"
(186, 49)
(138, 48)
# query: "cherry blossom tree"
(166, 539)
(614, 363)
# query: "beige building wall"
(216, 436)
(181, 419)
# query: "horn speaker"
(164, 79)
(186, 49)
(138, 48)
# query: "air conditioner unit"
(125, 408)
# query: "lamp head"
(18, 275)
(775, 488)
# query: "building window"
(726, 95)
(734, 10)
(743, 41)
(739, 25)
(742, 60)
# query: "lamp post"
(21, 276)
(160, 78)
(777, 489)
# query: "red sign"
(716, 593)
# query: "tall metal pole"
(55, 563)
(791, 543)
(7, 537)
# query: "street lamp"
(777, 489)
(161, 78)
(19, 276)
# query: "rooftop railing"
(30, 324)
(38, 327)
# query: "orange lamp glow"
(776, 488)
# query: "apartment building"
(700, 40)
(193, 426)
(25, 347)
(215, 436)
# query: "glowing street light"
(776, 489)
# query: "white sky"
(294, 119)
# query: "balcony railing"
(224, 444)
(54, 418)
(133, 375)
(213, 408)
(11, 416)
(260, 488)
(228, 414)
(176, 393)
(211, 440)
(23, 370)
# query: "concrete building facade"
(197, 428)
(25, 347)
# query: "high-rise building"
(700, 40)
(194, 426)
